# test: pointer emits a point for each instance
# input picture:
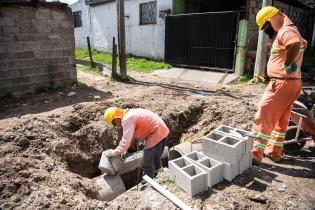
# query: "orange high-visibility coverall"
(141, 124)
(271, 120)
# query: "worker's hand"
(109, 153)
(290, 69)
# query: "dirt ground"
(51, 143)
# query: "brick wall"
(36, 47)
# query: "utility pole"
(260, 61)
(121, 38)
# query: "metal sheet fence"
(203, 40)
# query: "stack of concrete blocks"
(225, 154)
(195, 172)
(230, 146)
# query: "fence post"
(121, 38)
(241, 47)
(90, 52)
(114, 58)
(260, 61)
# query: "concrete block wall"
(36, 47)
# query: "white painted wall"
(141, 40)
(81, 33)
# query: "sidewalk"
(193, 75)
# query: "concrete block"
(238, 133)
(3, 48)
(175, 165)
(195, 156)
(214, 169)
(231, 171)
(190, 177)
(227, 148)
(6, 21)
(43, 14)
(11, 30)
(56, 15)
(193, 180)
(110, 165)
(246, 162)
(132, 163)
(21, 46)
(7, 38)
(27, 14)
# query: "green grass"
(135, 64)
(246, 77)
(89, 69)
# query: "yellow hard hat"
(264, 14)
(108, 116)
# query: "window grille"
(148, 13)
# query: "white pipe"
(183, 149)
(109, 187)
(166, 193)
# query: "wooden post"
(114, 58)
(90, 52)
(260, 61)
(121, 38)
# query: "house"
(145, 27)
(197, 33)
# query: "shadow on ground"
(48, 100)
(197, 91)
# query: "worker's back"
(148, 126)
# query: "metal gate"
(202, 40)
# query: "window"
(77, 19)
(148, 13)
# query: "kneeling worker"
(139, 124)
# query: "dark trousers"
(152, 159)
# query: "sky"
(66, 1)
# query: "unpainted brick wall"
(36, 47)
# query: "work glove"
(290, 69)
(109, 153)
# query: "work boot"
(257, 156)
(312, 144)
(273, 158)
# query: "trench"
(85, 162)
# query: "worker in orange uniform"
(139, 124)
(284, 70)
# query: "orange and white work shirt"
(141, 124)
(287, 35)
